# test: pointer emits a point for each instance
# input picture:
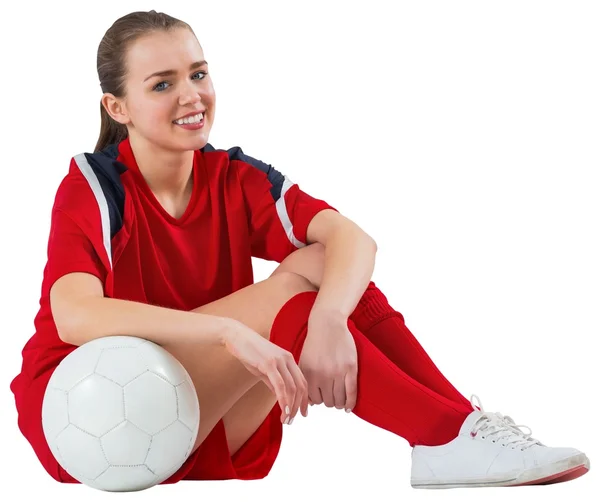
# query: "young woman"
(152, 236)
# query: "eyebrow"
(166, 73)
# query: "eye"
(157, 89)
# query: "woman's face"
(153, 103)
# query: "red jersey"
(107, 222)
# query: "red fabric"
(257, 455)
(211, 461)
(387, 396)
(69, 250)
(156, 259)
(385, 328)
(268, 239)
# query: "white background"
(463, 136)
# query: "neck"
(167, 173)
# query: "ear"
(115, 108)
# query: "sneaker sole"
(558, 472)
(561, 477)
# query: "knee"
(316, 250)
(293, 283)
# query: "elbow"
(372, 242)
(69, 324)
(67, 332)
(62, 332)
(72, 298)
(366, 238)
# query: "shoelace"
(503, 428)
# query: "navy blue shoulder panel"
(273, 175)
(107, 171)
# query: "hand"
(274, 365)
(329, 362)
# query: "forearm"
(97, 317)
(348, 267)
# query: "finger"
(304, 393)
(300, 386)
(339, 391)
(351, 387)
(314, 392)
(290, 388)
(289, 373)
(278, 385)
(305, 397)
(326, 387)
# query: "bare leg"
(307, 261)
(220, 379)
(247, 414)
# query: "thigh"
(247, 415)
(221, 379)
(309, 262)
(257, 305)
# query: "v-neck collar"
(128, 159)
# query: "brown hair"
(111, 62)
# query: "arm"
(81, 313)
(279, 212)
(349, 264)
(80, 310)
(284, 218)
(329, 357)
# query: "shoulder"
(93, 186)
(247, 167)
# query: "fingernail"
(287, 410)
(287, 421)
(291, 421)
(348, 410)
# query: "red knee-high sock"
(385, 328)
(387, 396)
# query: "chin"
(195, 141)
(199, 142)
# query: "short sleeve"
(279, 211)
(70, 250)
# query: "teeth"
(190, 120)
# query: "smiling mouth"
(196, 122)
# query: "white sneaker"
(491, 450)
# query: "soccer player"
(152, 236)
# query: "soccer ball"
(120, 413)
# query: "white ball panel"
(75, 367)
(163, 363)
(81, 453)
(119, 341)
(187, 405)
(121, 479)
(96, 405)
(169, 448)
(151, 403)
(55, 413)
(121, 365)
(125, 445)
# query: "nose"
(190, 97)
(190, 94)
